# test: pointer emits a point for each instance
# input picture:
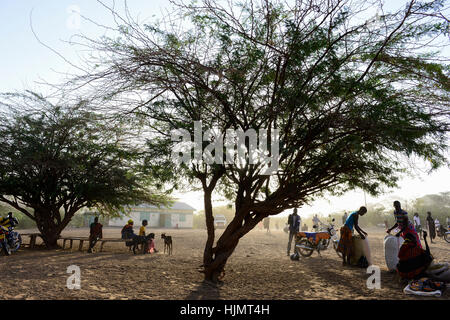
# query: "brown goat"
(167, 243)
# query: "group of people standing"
(407, 229)
(432, 225)
(294, 223)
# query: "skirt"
(345, 242)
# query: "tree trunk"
(209, 219)
(214, 259)
(50, 237)
(49, 229)
(215, 268)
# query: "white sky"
(23, 60)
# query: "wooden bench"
(104, 240)
(82, 239)
(71, 239)
(33, 237)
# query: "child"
(142, 229)
(151, 244)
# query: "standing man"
(402, 222)
(417, 224)
(431, 227)
(267, 224)
(316, 222)
(329, 219)
(294, 222)
(344, 217)
(96, 233)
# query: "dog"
(143, 240)
(167, 243)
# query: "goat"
(167, 243)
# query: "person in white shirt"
(437, 224)
(417, 224)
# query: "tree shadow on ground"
(331, 272)
(205, 291)
(356, 283)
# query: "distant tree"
(377, 213)
(350, 93)
(55, 160)
(437, 204)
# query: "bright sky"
(23, 61)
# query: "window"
(182, 217)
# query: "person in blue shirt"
(346, 242)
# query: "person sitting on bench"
(96, 233)
(128, 233)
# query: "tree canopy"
(56, 159)
(349, 90)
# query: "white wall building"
(179, 215)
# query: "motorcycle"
(443, 232)
(440, 231)
(3, 242)
(307, 242)
(12, 238)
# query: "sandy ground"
(259, 269)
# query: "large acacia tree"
(57, 159)
(351, 89)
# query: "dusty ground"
(259, 269)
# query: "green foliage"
(351, 98)
(437, 204)
(378, 213)
(344, 99)
(24, 221)
(56, 160)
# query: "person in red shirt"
(413, 260)
(96, 233)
